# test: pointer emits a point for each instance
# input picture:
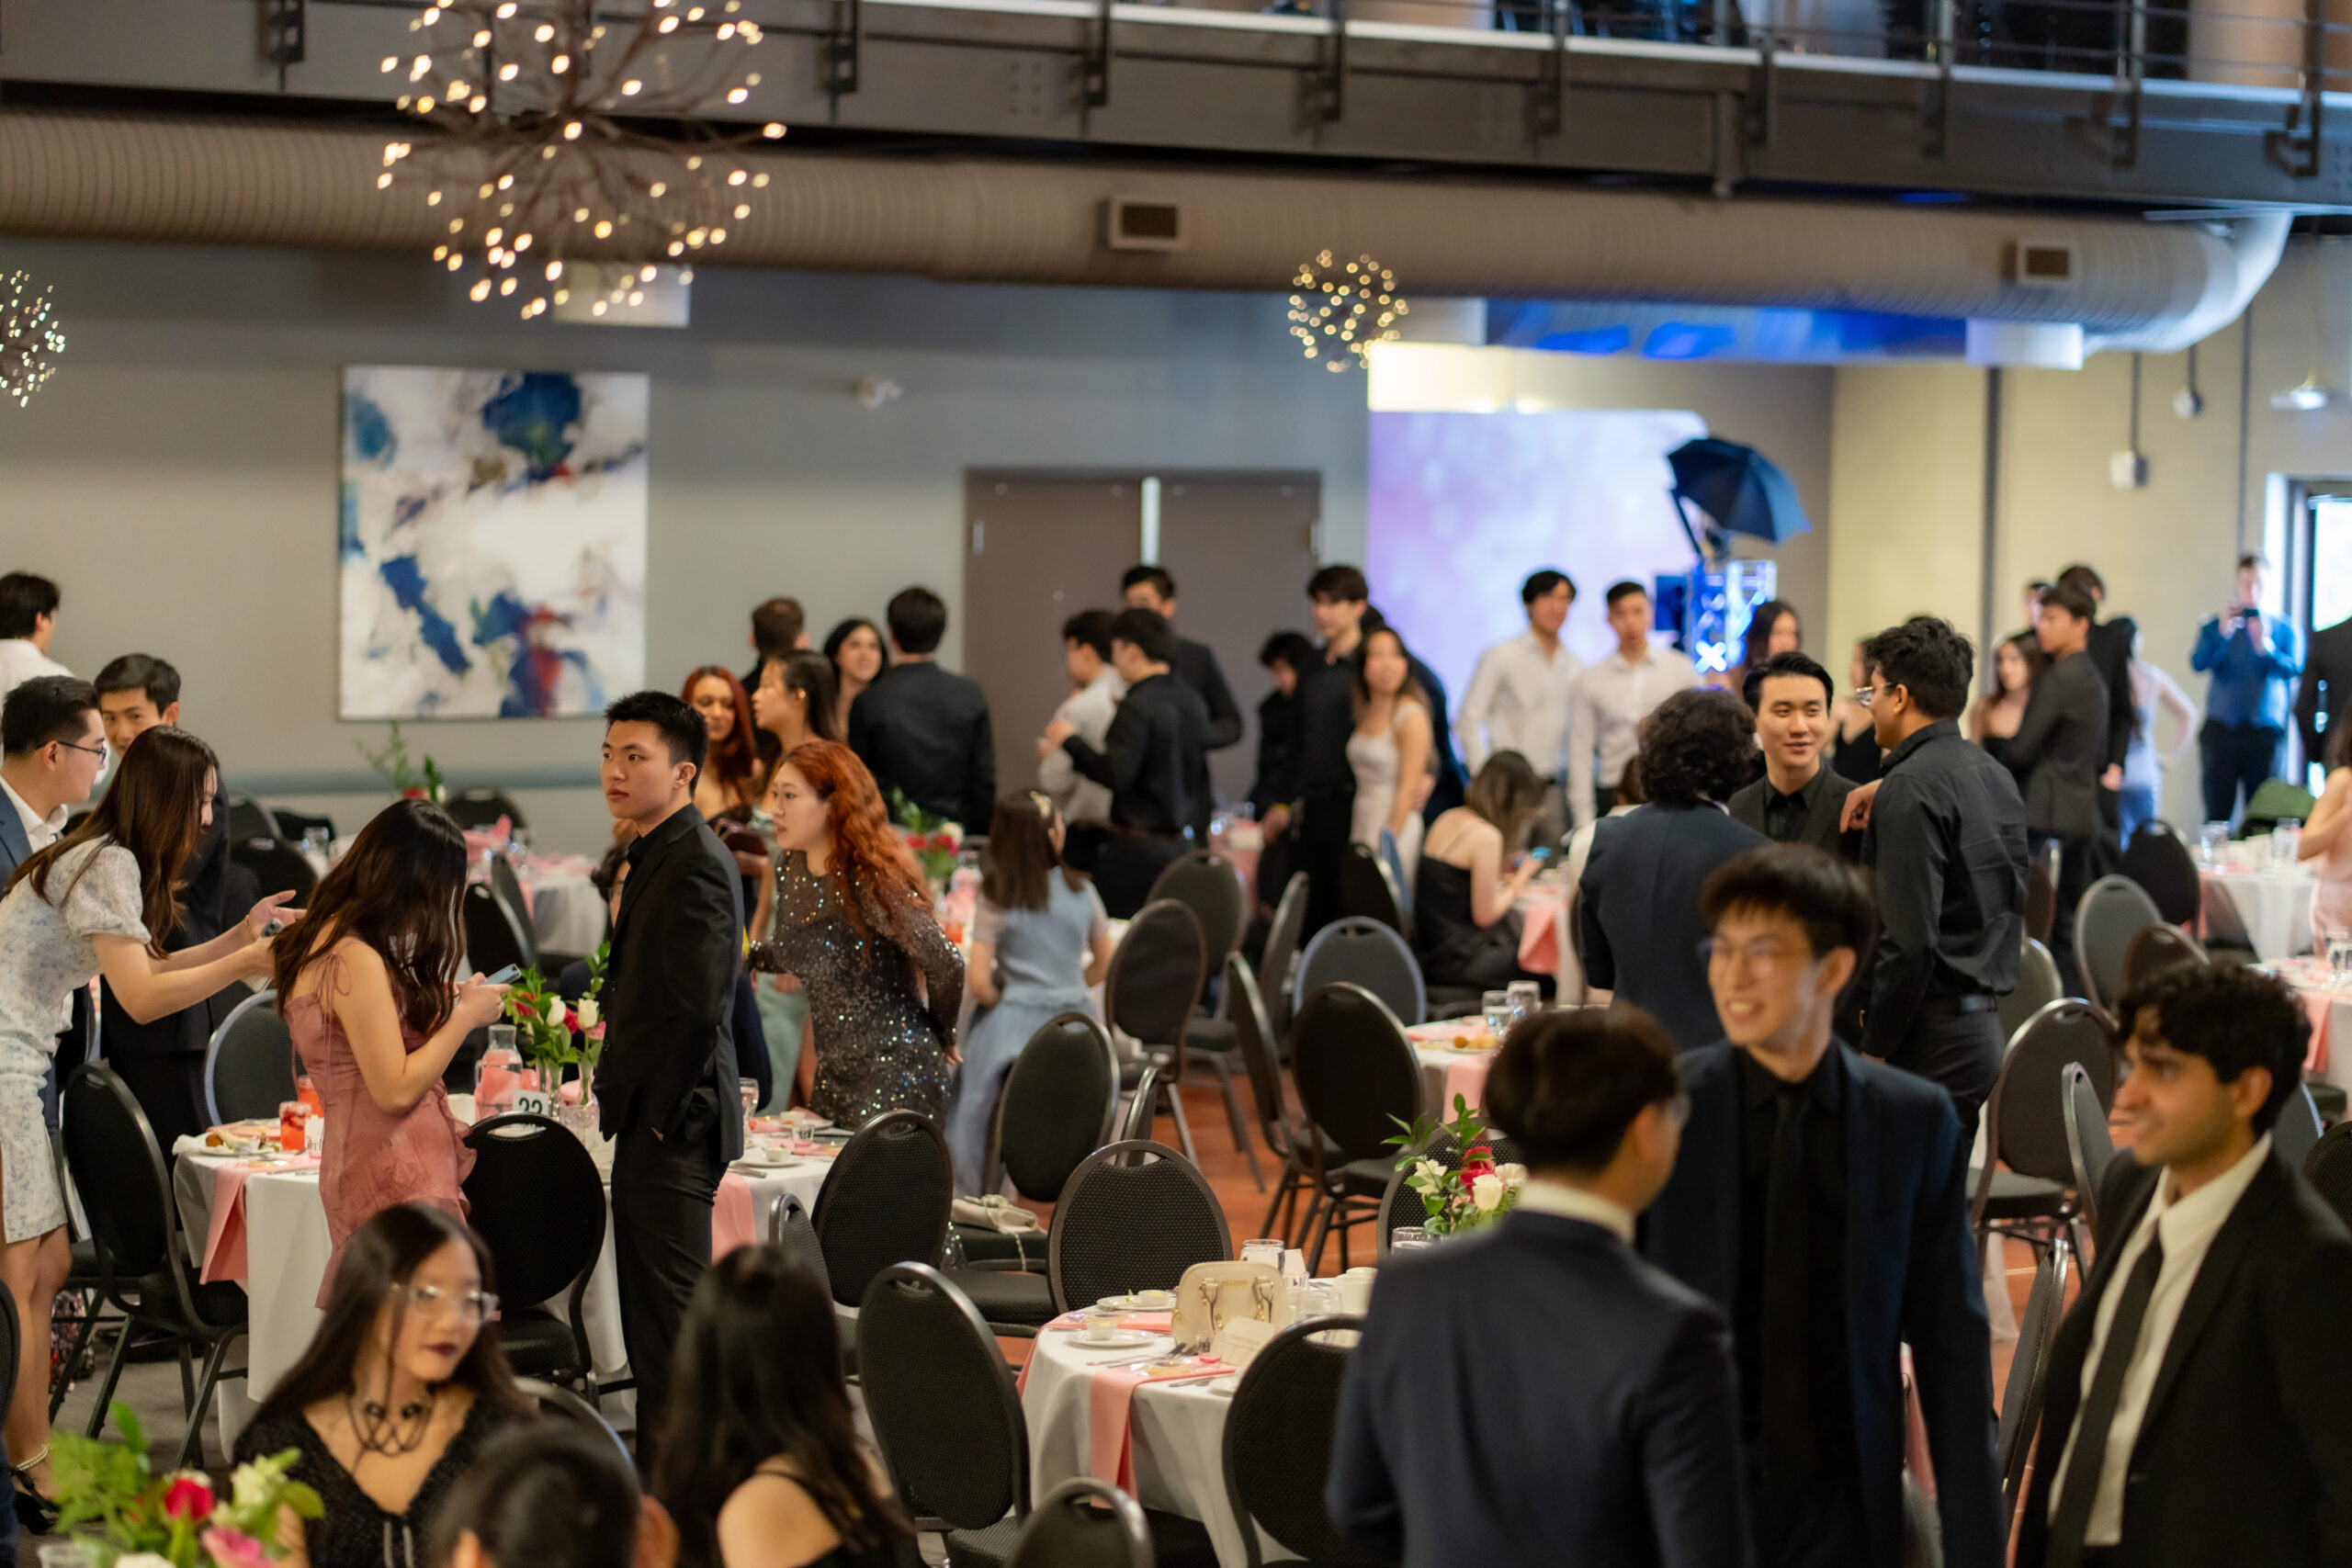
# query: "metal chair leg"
(1233, 1114)
(187, 1376)
(65, 1378)
(114, 1376)
(192, 1443)
(1183, 1128)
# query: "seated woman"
(552, 1494)
(397, 1394)
(1039, 940)
(760, 1461)
(367, 991)
(1463, 923)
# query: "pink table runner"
(224, 1231)
(731, 1225)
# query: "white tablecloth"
(1177, 1432)
(2273, 907)
(567, 912)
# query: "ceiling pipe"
(125, 177)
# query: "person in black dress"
(761, 1461)
(396, 1397)
(1464, 924)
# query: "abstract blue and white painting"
(493, 542)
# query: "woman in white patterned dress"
(98, 901)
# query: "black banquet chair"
(1366, 953)
(483, 807)
(249, 1063)
(2113, 910)
(1148, 995)
(1368, 891)
(2025, 1124)
(277, 866)
(1357, 1079)
(1207, 883)
(1084, 1523)
(1059, 1103)
(1284, 933)
(2038, 985)
(1278, 1439)
(2021, 1397)
(1134, 1216)
(2090, 1147)
(884, 1202)
(2165, 871)
(2155, 948)
(539, 1204)
(495, 934)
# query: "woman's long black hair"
(396, 890)
(757, 1376)
(385, 1252)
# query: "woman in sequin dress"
(853, 923)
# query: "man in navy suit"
(1536, 1394)
(1819, 1203)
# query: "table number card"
(533, 1102)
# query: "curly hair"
(1699, 745)
(872, 868)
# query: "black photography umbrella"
(1739, 490)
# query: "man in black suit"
(1801, 797)
(2200, 1404)
(1820, 1201)
(2060, 744)
(2326, 696)
(666, 1086)
(2110, 647)
(1637, 904)
(920, 729)
(1194, 663)
(1537, 1395)
(52, 748)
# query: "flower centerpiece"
(109, 1495)
(932, 840)
(551, 1036)
(1456, 1200)
(411, 779)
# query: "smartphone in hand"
(506, 976)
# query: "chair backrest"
(561, 1404)
(1207, 883)
(1157, 974)
(2041, 899)
(2329, 1167)
(1366, 953)
(111, 1153)
(1274, 967)
(1400, 1205)
(1368, 891)
(2155, 948)
(1355, 1072)
(249, 1062)
(2162, 865)
(537, 1202)
(1279, 1433)
(1122, 1227)
(495, 936)
(2298, 1129)
(483, 807)
(1142, 1108)
(2090, 1147)
(249, 818)
(294, 825)
(2029, 1369)
(2274, 801)
(277, 866)
(2225, 927)
(790, 1228)
(509, 888)
(1253, 1036)
(2112, 912)
(884, 1202)
(2025, 1122)
(2038, 985)
(1058, 1105)
(1083, 1523)
(941, 1399)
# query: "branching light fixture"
(30, 339)
(1339, 311)
(543, 152)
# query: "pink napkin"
(730, 1216)
(225, 1236)
(1467, 1078)
(1539, 938)
(2317, 1003)
(1110, 1400)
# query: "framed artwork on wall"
(492, 542)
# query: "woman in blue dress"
(1040, 939)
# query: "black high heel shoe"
(36, 1515)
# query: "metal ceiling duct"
(124, 177)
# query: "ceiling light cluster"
(30, 339)
(1341, 311)
(531, 165)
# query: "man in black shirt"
(1153, 763)
(1947, 839)
(1324, 717)
(1800, 798)
(2109, 648)
(1194, 663)
(2062, 746)
(922, 731)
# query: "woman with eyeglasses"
(397, 1394)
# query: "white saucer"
(1136, 1303)
(1125, 1339)
(787, 1163)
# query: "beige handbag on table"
(1212, 1294)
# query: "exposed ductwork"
(2133, 284)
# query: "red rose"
(412, 794)
(188, 1498)
(1477, 1160)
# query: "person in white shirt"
(1519, 696)
(27, 622)
(52, 748)
(1092, 703)
(2200, 1390)
(1614, 696)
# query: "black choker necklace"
(382, 1432)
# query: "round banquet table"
(567, 912)
(1446, 1072)
(285, 1248)
(2273, 907)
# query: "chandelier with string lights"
(1339, 309)
(560, 132)
(30, 339)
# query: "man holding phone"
(2254, 658)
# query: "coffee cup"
(1098, 1327)
(1355, 1291)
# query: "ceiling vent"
(1142, 224)
(2043, 264)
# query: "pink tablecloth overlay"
(730, 1216)
(1465, 1071)
(225, 1236)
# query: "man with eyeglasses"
(52, 749)
(1820, 1201)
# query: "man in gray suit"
(51, 748)
(1800, 797)
(2061, 745)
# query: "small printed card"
(1241, 1340)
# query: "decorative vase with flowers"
(109, 1496)
(550, 1036)
(1456, 1200)
(932, 840)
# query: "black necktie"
(2080, 1489)
(1792, 1452)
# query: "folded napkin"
(1539, 936)
(1110, 1402)
(730, 1217)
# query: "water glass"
(2286, 845)
(1313, 1298)
(1267, 1251)
(1409, 1238)
(1526, 999)
(750, 1089)
(68, 1554)
(2339, 956)
(518, 842)
(315, 841)
(2210, 840)
(1498, 1008)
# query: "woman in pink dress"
(367, 995)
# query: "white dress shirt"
(1079, 799)
(1518, 700)
(2189, 1226)
(1540, 1197)
(21, 662)
(1612, 698)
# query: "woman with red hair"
(728, 789)
(853, 923)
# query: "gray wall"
(178, 476)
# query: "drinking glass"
(1313, 1298)
(1267, 1251)
(2339, 956)
(68, 1554)
(750, 1089)
(293, 1126)
(1526, 999)
(315, 841)
(1496, 1006)
(1409, 1238)
(2210, 840)
(518, 842)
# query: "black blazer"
(925, 729)
(218, 894)
(1538, 1395)
(2059, 747)
(1194, 663)
(2326, 688)
(1912, 1278)
(2110, 655)
(2245, 1453)
(677, 947)
(1638, 910)
(1820, 829)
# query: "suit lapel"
(2213, 1277)
(16, 848)
(1821, 822)
(658, 848)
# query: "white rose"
(1513, 1175)
(953, 832)
(555, 1009)
(587, 1012)
(1486, 1192)
(142, 1560)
